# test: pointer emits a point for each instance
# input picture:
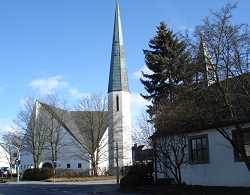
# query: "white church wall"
(26, 160)
(127, 128)
(70, 154)
(104, 161)
(120, 123)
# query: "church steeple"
(118, 78)
(205, 69)
(209, 67)
(119, 105)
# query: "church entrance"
(47, 165)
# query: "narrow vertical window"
(117, 103)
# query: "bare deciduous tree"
(93, 124)
(145, 129)
(11, 143)
(171, 152)
(55, 112)
(34, 127)
(228, 46)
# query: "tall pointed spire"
(118, 78)
(205, 63)
(119, 105)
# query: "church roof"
(77, 123)
(118, 78)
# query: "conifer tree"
(166, 58)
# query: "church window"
(68, 166)
(79, 165)
(117, 104)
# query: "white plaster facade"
(120, 128)
(71, 153)
(221, 169)
(71, 156)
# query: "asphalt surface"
(40, 188)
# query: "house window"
(198, 149)
(117, 103)
(79, 165)
(242, 142)
(68, 166)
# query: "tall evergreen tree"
(166, 59)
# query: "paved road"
(39, 188)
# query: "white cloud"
(5, 125)
(47, 86)
(139, 104)
(138, 74)
(55, 84)
(23, 102)
(76, 94)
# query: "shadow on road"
(59, 189)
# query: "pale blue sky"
(65, 45)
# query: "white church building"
(117, 132)
(4, 157)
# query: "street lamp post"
(117, 164)
(18, 164)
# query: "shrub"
(37, 174)
(14, 174)
(166, 181)
(65, 173)
(139, 174)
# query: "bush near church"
(65, 173)
(37, 174)
(139, 174)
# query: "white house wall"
(222, 169)
(4, 156)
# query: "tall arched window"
(117, 103)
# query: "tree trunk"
(179, 175)
(93, 166)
